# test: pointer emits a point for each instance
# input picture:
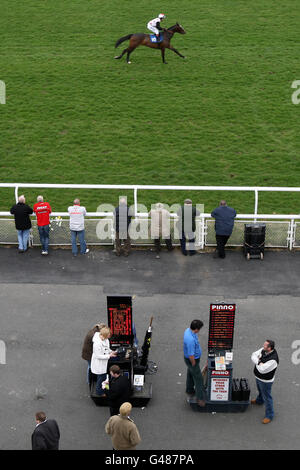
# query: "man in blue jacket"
(192, 353)
(224, 217)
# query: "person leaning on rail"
(77, 214)
(160, 227)
(187, 227)
(122, 220)
(224, 222)
(22, 212)
(42, 211)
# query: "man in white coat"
(160, 227)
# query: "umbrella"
(146, 345)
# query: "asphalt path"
(47, 305)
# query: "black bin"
(236, 393)
(245, 389)
(254, 240)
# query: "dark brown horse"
(141, 39)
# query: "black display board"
(119, 314)
(221, 326)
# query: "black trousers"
(191, 238)
(168, 242)
(221, 242)
(114, 411)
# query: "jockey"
(154, 25)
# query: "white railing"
(135, 188)
(291, 226)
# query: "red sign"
(221, 326)
(119, 311)
(220, 372)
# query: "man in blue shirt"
(224, 217)
(192, 354)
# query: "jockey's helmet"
(161, 16)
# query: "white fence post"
(255, 205)
(135, 201)
(291, 234)
(16, 193)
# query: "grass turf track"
(223, 116)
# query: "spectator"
(122, 220)
(160, 227)
(266, 362)
(124, 433)
(87, 348)
(77, 214)
(224, 222)
(21, 212)
(46, 434)
(192, 354)
(101, 354)
(43, 210)
(187, 227)
(119, 389)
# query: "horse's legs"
(163, 54)
(129, 51)
(176, 52)
(121, 55)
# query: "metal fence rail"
(282, 231)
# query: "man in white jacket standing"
(77, 214)
(266, 362)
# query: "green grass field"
(223, 116)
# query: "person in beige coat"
(160, 227)
(124, 433)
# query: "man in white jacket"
(77, 214)
(266, 362)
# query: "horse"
(141, 39)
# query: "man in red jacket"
(42, 211)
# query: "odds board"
(221, 326)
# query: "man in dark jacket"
(21, 211)
(119, 389)
(122, 219)
(187, 227)
(46, 434)
(266, 362)
(224, 217)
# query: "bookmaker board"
(132, 362)
(223, 392)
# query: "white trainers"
(86, 251)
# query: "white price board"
(219, 390)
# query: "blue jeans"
(100, 379)
(264, 396)
(23, 237)
(80, 235)
(44, 236)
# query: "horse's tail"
(124, 38)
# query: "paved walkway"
(47, 304)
